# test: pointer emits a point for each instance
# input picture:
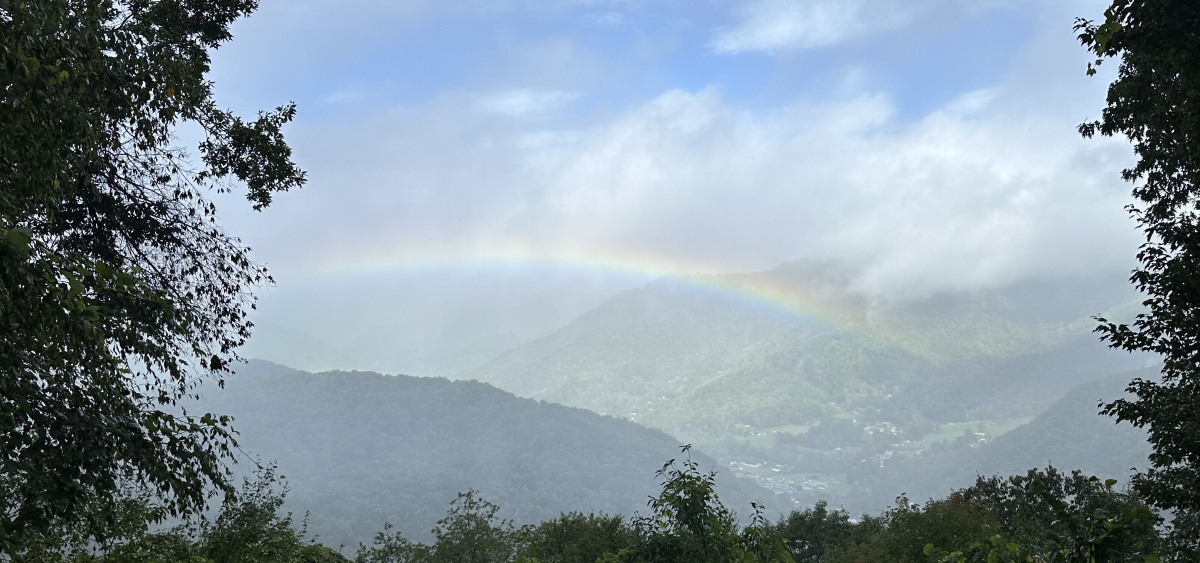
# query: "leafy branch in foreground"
(119, 292)
(1155, 103)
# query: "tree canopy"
(119, 292)
(1041, 516)
(1155, 102)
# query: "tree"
(391, 547)
(1059, 517)
(471, 532)
(119, 293)
(687, 522)
(810, 534)
(574, 538)
(1155, 102)
(903, 533)
(249, 527)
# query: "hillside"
(704, 358)
(359, 449)
(1069, 435)
(793, 378)
(865, 469)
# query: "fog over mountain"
(933, 144)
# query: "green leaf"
(19, 238)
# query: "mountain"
(359, 449)
(278, 343)
(796, 379)
(1069, 435)
(430, 354)
(705, 357)
(865, 469)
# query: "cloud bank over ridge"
(970, 195)
(490, 173)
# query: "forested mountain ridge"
(1070, 434)
(702, 363)
(816, 390)
(360, 448)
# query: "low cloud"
(517, 103)
(975, 194)
(784, 25)
(518, 198)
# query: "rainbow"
(773, 290)
(762, 289)
(417, 259)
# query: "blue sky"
(613, 55)
(470, 159)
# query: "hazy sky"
(488, 169)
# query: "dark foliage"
(249, 527)
(575, 538)
(687, 522)
(1042, 516)
(1051, 511)
(1155, 102)
(471, 532)
(117, 287)
(814, 533)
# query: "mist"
(448, 204)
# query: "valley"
(805, 390)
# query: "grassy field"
(990, 428)
(789, 429)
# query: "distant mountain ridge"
(792, 378)
(359, 449)
(296, 348)
(1070, 434)
(698, 362)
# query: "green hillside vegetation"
(1035, 516)
(849, 391)
(700, 363)
(361, 448)
(1070, 433)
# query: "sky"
(481, 172)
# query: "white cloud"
(980, 193)
(956, 200)
(782, 25)
(521, 102)
(994, 187)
